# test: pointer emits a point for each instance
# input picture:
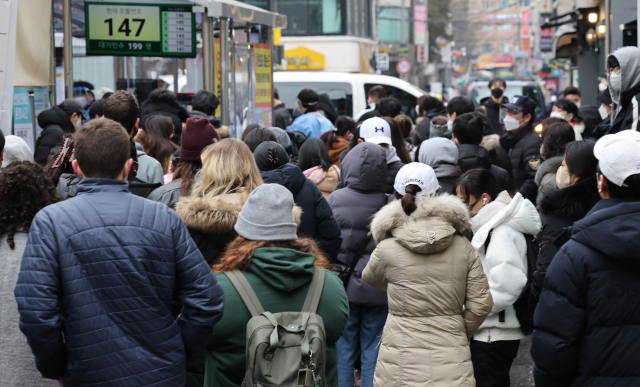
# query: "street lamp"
(602, 30)
(592, 37)
(593, 18)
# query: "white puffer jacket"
(505, 261)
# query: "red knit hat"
(195, 137)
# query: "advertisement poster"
(41, 103)
(264, 94)
(217, 78)
(8, 20)
(22, 121)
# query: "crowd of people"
(142, 246)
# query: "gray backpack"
(284, 349)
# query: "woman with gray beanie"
(279, 267)
(441, 154)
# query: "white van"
(348, 91)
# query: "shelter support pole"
(207, 53)
(225, 53)
(68, 49)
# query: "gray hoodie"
(149, 169)
(628, 98)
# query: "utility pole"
(68, 49)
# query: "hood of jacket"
(518, 213)
(573, 202)
(56, 116)
(288, 175)
(139, 150)
(629, 59)
(211, 216)
(612, 228)
(365, 168)
(491, 142)
(283, 269)
(548, 166)
(429, 229)
(439, 111)
(215, 121)
(473, 156)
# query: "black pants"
(492, 362)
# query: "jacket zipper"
(489, 338)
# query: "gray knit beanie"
(268, 215)
(283, 139)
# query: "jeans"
(492, 362)
(364, 327)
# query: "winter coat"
(312, 125)
(560, 209)
(424, 127)
(340, 144)
(326, 181)
(438, 294)
(504, 260)
(587, 328)
(68, 183)
(474, 156)
(16, 360)
(119, 260)
(523, 147)
(149, 169)
(600, 130)
(141, 188)
(392, 171)
(54, 123)
(211, 221)
(168, 194)
(492, 110)
(281, 116)
(215, 121)
(499, 157)
(317, 221)
(280, 278)
(546, 177)
(363, 173)
(626, 101)
(168, 108)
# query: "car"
(478, 92)
(348, 91)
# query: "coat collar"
(215, 216)
(95, 185)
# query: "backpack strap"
(245, 291)
(315, 291)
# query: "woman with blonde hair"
(279, 268)
(228, 175)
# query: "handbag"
(344, 272)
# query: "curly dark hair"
(25, 189)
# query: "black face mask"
(497, 92)
(473, 205)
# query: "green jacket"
(280, 278)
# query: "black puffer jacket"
(523, 147)
(167, 108)
(317, 220)
(499, 157)
(363, 173)
(492, 110)
(474, 156)
(54, 123)
(587, 325)
(561, 208)
(210, 222)
(281, 116)
(423, 128)
(215, 121)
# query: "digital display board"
(146, 29)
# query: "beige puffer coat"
(438, 294)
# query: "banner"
(8, 23)
(525, 22)
(264, 90)
(22, 118)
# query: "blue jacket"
(103, 269)
(311, 125)
(317, 220)
(587, 323)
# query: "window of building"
(487, 5)
(487, 27)
(505, 48)
(526, 3)
(390, 25)
(504, 26)
(503, 4)
(476, 6)
(487, 47)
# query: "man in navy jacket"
(587, 323)
(100, 274)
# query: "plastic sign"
(302, 58)
(404, 66)
(142, 29)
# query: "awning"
(564, 46)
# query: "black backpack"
(523, 306)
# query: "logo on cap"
(514, 100)
(379, 129)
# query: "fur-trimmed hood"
(550, 165)
(573, 202)
(491, 142)
(216, 216)
(429, 229)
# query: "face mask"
(473, 205)
(602, 87)
(82, 101)
(511, 124)
(577, 104)
(563, 179)
(615, 81)
(78, 124)
(449, 125)
(558, 115)
(603, 112)
(497, 92)
(579, 128)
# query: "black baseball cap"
(520, 103)
(308, 97)
(71, 106)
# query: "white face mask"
(563, 179)
(615, 81)
(579, 128)
(558, 115)
(577, 104)
(78, 124)
(603, 112)
(450, 124)
(511, 124)
(82, 101)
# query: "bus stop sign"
(143, 28)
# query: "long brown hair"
(238, 253)
(186, 170)
(155, 139)
(398, 141)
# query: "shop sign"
(22, 117)
(302, 58)
(263, 67)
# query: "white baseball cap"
(419, 174)
(376, 130)
(619, 155)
